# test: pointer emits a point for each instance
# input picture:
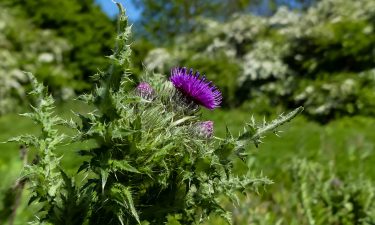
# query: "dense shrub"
(63, 42)
(81, 23)
(25, 47)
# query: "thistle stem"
(276, 123)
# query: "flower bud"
(205, 129)
(145, 90)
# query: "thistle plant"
(155, 161)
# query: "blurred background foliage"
(64, 42)
(262, 54)
(267, 56)
(322, 58)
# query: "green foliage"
(148, 165)
(340, 152)
(81, 23)
(140, 48)
(62, 42)
(50, 186)
(329, 200)
(24, 47)
(319, 58)
(176, 17)
(312, 194)
(345, 93)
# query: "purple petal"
(196, 88)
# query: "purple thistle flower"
(205, 129)
(196, 88)
(145, 90)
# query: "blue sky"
(111, 9)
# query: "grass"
(344, 147)
(348, 143)
(342, 150)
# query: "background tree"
(82, 23)
(173, 17)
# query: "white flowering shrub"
(26, 48)
(263, 62)
(159, 60)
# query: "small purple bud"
(205, 129)
(145, 90)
